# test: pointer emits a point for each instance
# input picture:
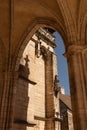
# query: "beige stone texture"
(19, 20)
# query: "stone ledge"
(45, 119)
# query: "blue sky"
(62, 63)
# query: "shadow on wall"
(22, 98)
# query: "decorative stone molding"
(68, 19)
(50, 118)
(83, 27)
(47, 36)
(75, 49)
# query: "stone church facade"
(19, 20)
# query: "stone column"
(77, 64)
(6, 115)
(49, 124)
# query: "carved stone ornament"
(56, 85)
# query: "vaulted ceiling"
(16, 16)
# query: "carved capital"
(45, 52)
(74, 50)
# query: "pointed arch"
(33, 27)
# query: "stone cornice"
(75, 49)
(47, 119)
(47, 39)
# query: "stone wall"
(30, 97)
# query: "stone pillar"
(77, 64)
(49, 124)
(6, 115)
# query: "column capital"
(74, 50)
(45, 52)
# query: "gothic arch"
(69, 30)
(27, 36)
(36, 24)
